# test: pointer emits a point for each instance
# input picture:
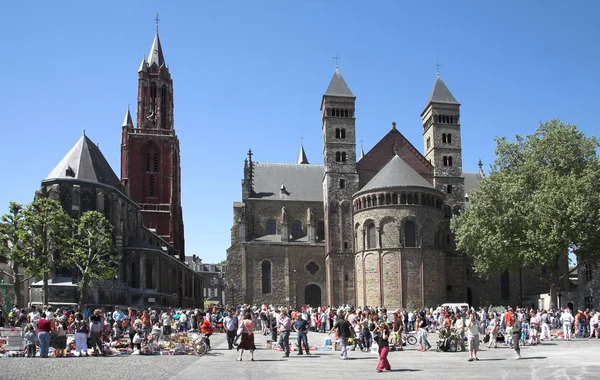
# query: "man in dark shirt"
(396, 336)
(301, 326)
(344, 329)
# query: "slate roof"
(471, 181)
(156, 53)
(338, 86)
(441, 94)
(127, 122)
(85, 162)
(396, 173)
(302, 182)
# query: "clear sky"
(250, 74)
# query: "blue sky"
(250, 74)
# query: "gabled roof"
(396, 173)
(302, 156)
(338, 86)
(295, 182)
(85, 162)
(156, 53)
(441, 94)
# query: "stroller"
(448, 340)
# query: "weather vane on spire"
(438, 65)
(157, 20)
(336, 59)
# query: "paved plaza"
(552, 360)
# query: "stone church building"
(367, 230)
(144, 205)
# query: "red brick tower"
(150, 164)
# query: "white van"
(453, 306)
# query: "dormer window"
(69, 172)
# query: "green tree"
(46, 239)
(540, 203)
(94, 251)
(11, 247)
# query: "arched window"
(337, 133)
(394, 199)
(346, 113)
(410, 234)
(343, 156)
(403, 199)
(321, 230)
(428, 142)
(451, 119)
(271, 227)
(445, 161)
(343, 131)
(449, 138)
(156, 161)
(337, 112)
(296, 229)
(410, 199)
(449, 160)
(266, 277)
(372, 236)
(444, 138)
(338, 156)
(368, 201)
(153, 96)
(147, 162)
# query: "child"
(115, 332)
(30, 341)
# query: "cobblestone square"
(551, 360)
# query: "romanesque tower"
(150, 165)
(340, 182)
(441, 139)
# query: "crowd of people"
(351, 328)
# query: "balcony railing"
(150, 131)
(156, 207)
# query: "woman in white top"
(493, 329)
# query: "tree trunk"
(45, 290)
(82, 292)
(17, 280)
(554, 296)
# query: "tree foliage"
(46, 239)
(540, 203)
(11, 246)
(94, 255)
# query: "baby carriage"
(448, 340)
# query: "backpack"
(81, 327)
(96, 326)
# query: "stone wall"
(260, 211)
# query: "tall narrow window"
(337, 133)
(589, 302)
(163, 107)
(410, 234)
(343, 156)
(321, 230)
(445, 161)
(449, 189)
(372, 236)
(505, 285)
(338, 156)
(342, 183)
(266, 277)
(428, 142)
(449, 160)
(151, 185)
(343, 132)
(149, 275)
(155, 163)
(147, 162)
(449, 138)
(444, 138)
(271, 227)
(588, 272)
(153, 97)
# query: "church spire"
(156, 53)
(362, 152)
(143, 66)
(338, 86)
(128, 121)
(302, 155)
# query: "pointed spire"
(362, 152)
(143, 66)
(302, 155)
(338, 86)
(441, 94)
(480, 164)
(128, 121)
(156, 53)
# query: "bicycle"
(409, 338)
(199, 345)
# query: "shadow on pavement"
(404, 370)
(534, 357)
(491, 360)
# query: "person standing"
(285, 327)
(44, 327)
(567, 320)
(383, 332)
(545, 320)
(81, 330)
(247, 342)
(493, 328)
(206, 328)
(344, 331)
(302, 326)
(472, 331)
(516, 334)
(166, 323)
(230, 322)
